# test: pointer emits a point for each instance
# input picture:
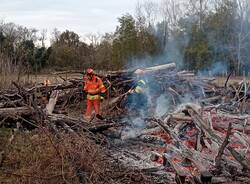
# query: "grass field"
(221, 80)
(5, 81)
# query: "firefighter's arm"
(103, 90)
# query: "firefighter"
(95, 90)
(46, 93)
(137, 98)
(46, 82)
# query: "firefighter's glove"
(102, 96)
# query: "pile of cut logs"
(203, 135)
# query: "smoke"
(174, 50)
(159, 103)
(218, 68)
(163, 104)
(187, 98)
(134, 128)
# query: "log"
(10, 103)
(17, 111)
(223, 146)
(180, 117)
(147, 70)
(159, 68)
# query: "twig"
(228, 79)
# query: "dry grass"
(221, 80)
(42, 157)
(25, 79)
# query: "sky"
(80, 16)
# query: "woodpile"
(200, 136)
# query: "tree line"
(199, 35)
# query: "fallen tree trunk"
(159, 68)
(17, 111)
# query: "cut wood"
(159, 68)
(52, 102)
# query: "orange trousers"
(90, 104)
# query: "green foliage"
(218, 41)
(197, 53)
(69, 52)
(125, 42)
(132, 41)
(218, 34)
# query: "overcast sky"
(81, 16)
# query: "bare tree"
(140, 16)
(171, 12)
(55, 35)
(150, 9)
(43, 36)
(199, 8)
(243, 12)
(93, 38)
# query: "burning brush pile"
(193, 131)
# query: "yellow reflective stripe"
(93, 97)
(139, 89)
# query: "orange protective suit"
(93, 87)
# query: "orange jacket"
(94, 86)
